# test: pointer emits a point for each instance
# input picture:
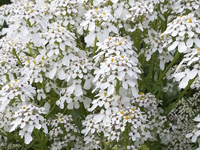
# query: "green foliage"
(2, 2)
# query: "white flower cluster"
(29, 118)
(57, 126)
(99, 74)
(186, 30)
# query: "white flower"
(28, 117)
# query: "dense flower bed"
(100, 74)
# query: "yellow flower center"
(127, 117)
(198, 49)
(122, 56)
(122, 112)
(105, 94)
(190, 21)
(9, 85)
(120, 43)
(181, 16)
(112, 59)
(31, 11)
(133, 109)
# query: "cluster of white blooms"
(99, 74)
(17, 91)
(131, 118)
(63, 125)
(28, 118)
(186, 30)
(118, 64)
(180, 124)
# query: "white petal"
(89, 39)
(125, 85)
(131, 83)
(197, 42)
(91, 26)
(189, 42)
(37, 40)
(188, 135)
(87, 102)
(24, 30)
(181, 33)
(196, 134)
(108, 111)
(38, 126)
(61, 74)
(15, 125)
(173, 46)
(196, 119)
(183, 83)
(174, 33)
(52, 72)
(191, 74)
(111, 90)
(190, 33)
(62, 46)
(179, 76)
(182, 47)
(70, 106)
(78, 91)
(28, 138)
(73, 57)
(198, 30)
(118, 12)
(47, 107)
(66, 60)
(76, 105)
(87, 84)
(134, 91)
(98, 118)
(30, 128)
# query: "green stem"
(15, 54)
(117, 86)
(73, 116)
(164, 73)
(95, 46)
(7, 77)
(139, 40)
(30, 50)
(170, 107)
(152, 66)
(64, 110)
